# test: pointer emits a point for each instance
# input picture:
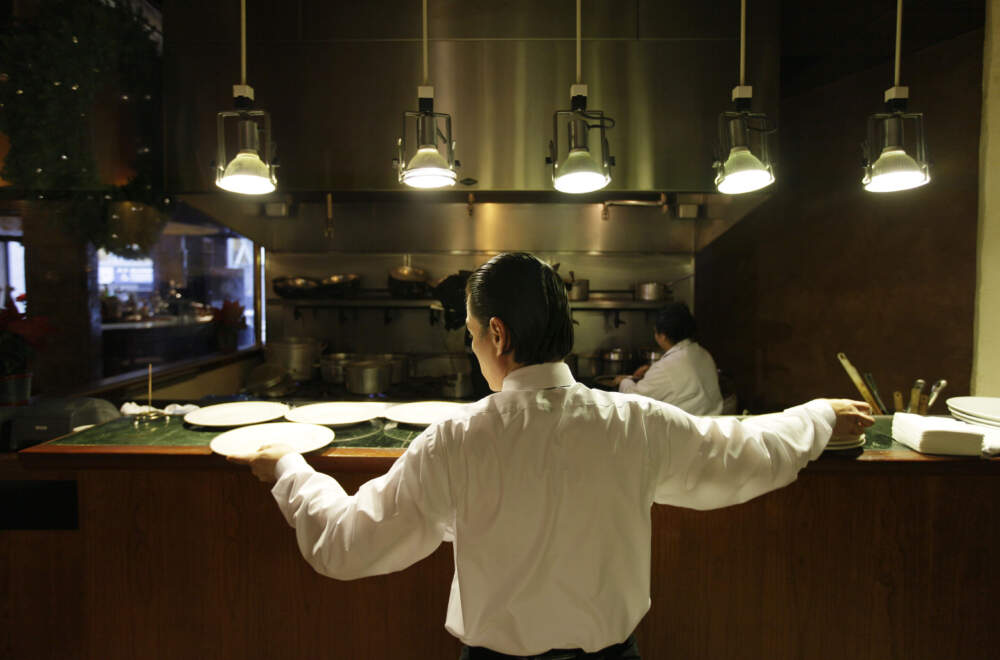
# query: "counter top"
(373, 446)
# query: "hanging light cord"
(243, 42)
(899, 36)
(743, 36)
(578, 66)
(425, 40)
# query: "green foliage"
(53, 67)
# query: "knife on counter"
(858, 383)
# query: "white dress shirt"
(544, 490)
(685, 376)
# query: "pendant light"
(892, 168)
(579, 171)
(743, 136)
(247, 173)
(428, 168)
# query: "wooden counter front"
(871, 556)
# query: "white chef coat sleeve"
(392, 521)
(712, 462)
(656, 384)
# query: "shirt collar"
(679, 346)
(538, 377)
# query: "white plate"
(974, 420)
(248, 439)
(849, 443)
(337, 413)
(237, 413)
(985, 407)
(422, 413)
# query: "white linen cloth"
(685, 376)
(544, 490)
(133, 408)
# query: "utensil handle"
(858, 383)
(922, 404)
(897, 400)
(914, 405)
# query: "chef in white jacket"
(685, 375)
(543, 488)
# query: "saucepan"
(368, 376)
(652, 291)
(577, 289)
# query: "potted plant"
(229, 320)
(20, 339)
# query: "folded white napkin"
(938, 435)
(133, 408)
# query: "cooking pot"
(400, 364)
(616, 361)
(650, 355)
(331, 366)
(368, 376)
(408, 282)
(588, 366)
(300, 355)
(652, 291)
(577, 289)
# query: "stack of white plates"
(981, 410)
(839, 442)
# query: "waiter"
(544, 487)
(685, 375)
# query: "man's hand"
(262, 461)
(640, 372)
(853, 417)
(619, 378)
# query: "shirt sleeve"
(656, 384)
(392, 521)
(712, 462)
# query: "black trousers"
(627, 650)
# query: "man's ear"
(499, 335)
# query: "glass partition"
(194, 296)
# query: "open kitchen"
(221, 217)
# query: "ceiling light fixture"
(247, 173)
(428, 168)
(742, 164)
(578, 171)
(892, 168)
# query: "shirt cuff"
(290, 463)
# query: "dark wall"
(824, 266)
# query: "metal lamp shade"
(247, 174)
(742, 172)
(897, 135)
(580, 173)
(428, 169)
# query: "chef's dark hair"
(530, 298)
(675, 321)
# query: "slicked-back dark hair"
(675, 321)
(530, 298)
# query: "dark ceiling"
(823, 42)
